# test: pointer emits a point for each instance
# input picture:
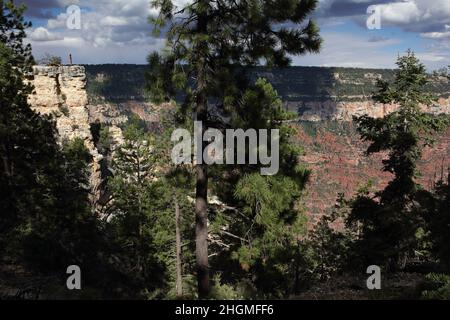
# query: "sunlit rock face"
(61, 91)
(345, 110)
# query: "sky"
(117, 31)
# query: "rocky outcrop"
(61, 91)
(109, 114)
(120, 113)
(344, 111)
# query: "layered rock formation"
(315, 93)
(336, 157)
(61, 91)
(334, 151)
(344, 110)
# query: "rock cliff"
(314, 93)
(61, 91)
(344, 110)
(324, 100)
(336, 156)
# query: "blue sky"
(116, 31)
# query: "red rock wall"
(339, 165)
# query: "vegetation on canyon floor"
(248, 238)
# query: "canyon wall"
(344, 110)
(338, 162)
(325, 100)
(61, 91)
(325, 103)
(314, 93)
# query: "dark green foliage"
(142, 212)
(330, 250)
(436, 287)
(216, 40)
(12, 32)
(262, 227)
(230, 22)
(391, 219)
(437, 209)
(66, 230)
(102, 138)
(46, 223)
(133, 215)
(27, 141)
(160, 87)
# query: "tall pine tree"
(212, 38)
(27, 140)
(391, 219)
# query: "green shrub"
(437, 287)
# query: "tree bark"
(201, 231)
(179, 279)
(201, 200)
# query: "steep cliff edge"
(345, 110)
(61, 91)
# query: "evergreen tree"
(263, 224)
(391, 219)
(27, 140)
(12, 32)
(436, 206)
(45, 223)
(65, 231)
(146, 213)
(133, 216)
(213, 38)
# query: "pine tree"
(132, 214)
(27, 141)
(263, 222)
(146, 212)
(212, 38)
(391, 219)
(45, 222)
(12, 32)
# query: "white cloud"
(416, 14)
(42, 34)
(436, 35)
(400, 12)
(113, 21)
(431, 57)
(349, 50)
(118, 31)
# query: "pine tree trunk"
(201, 200)
(179, 279)
(201, 231)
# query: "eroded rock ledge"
(61, 91)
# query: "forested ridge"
(116, 83)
